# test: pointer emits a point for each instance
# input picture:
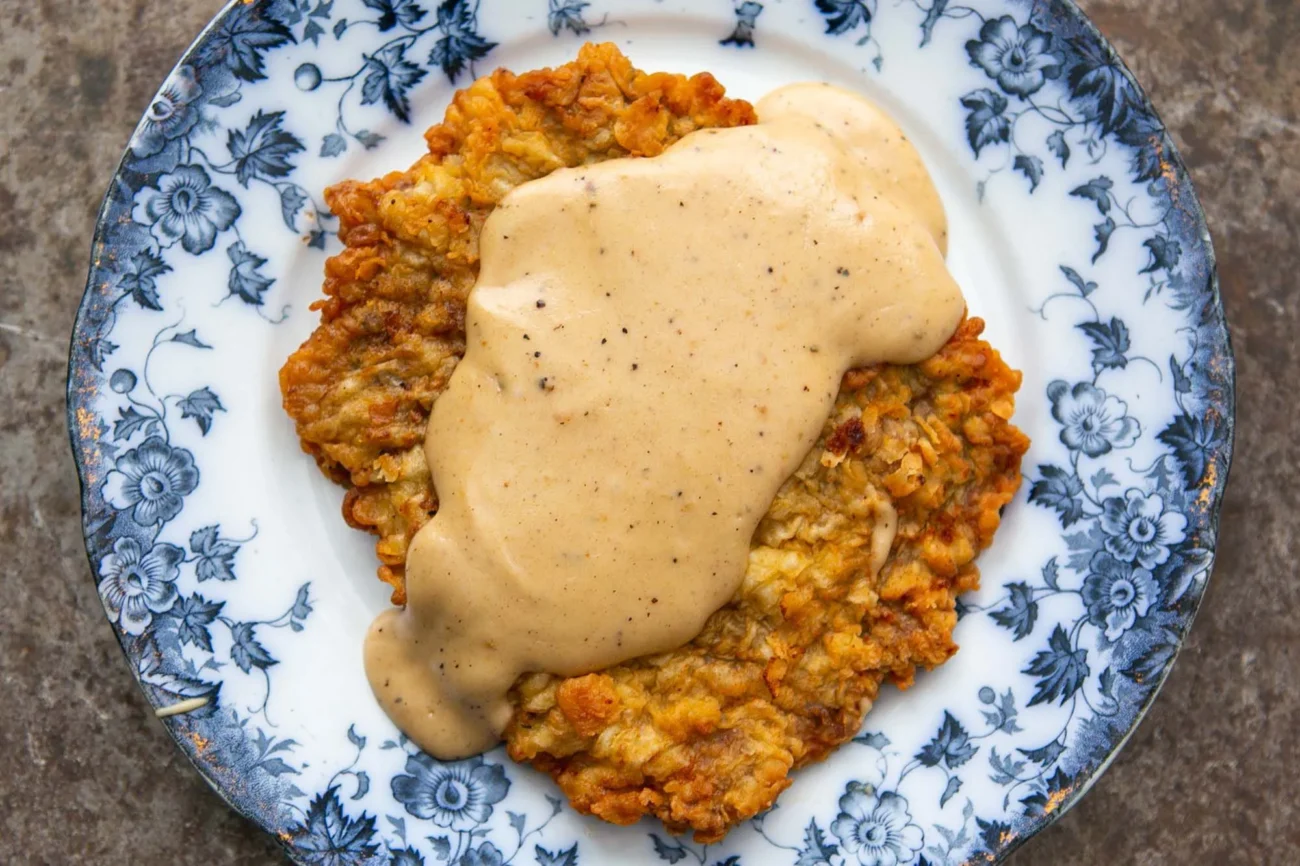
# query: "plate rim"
(1216, 486)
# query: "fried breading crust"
(705, 736)
(392, 320)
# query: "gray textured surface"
(87, 776)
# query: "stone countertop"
(90, 777)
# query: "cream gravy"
(652, 348)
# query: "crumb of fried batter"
(705, 736)
(392, 320)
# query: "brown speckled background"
(87, 776)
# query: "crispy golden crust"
(392, 321)
(705, 736)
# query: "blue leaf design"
(1150, 663)
(1005, 768)
(953, 786)
(190, 339)
(405, 856)
(567, 857)
(394, 12)
(369, 140)
(1061, 668)
(216, 557)
(1192, 439)
(1096, 79)
(245, 651)
(1020, 613)
(277, 767)
(1057, 145)
(1103, 478)
(1096, 191)
(333, 144)
(1003, 715)
(313, 32)
(1148, 143)
(1182, 383)
(746, 19)
(1102, 231)
(340, 27)
(441, 847)
(388, 79)
(1106, 684)
(1042, 803)
(1085, 287)
(1110, 342)
(815, 850)
(670, 851)
(99, 350)
(244, 280)
(292, 198)
(1164, 254)
(1050, 573)
(874, 740)
(300, 611)
(985, 123)
(193, 615)
(1046, 755)
(567, 15)
(950, 746)
(328, 835)
(363, 784)
(994, 834)
(140, 279)
(263, 149)
(844, 15)
(1031, 167)
(1059, 490)
(200, 405)
(130, 421)
(242, 38)
(356, 739)
(460, 44)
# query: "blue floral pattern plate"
(240, 598)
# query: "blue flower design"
(877, 829)
(171, 115)
(1019, 58)
(1092, 421)
(185, 207)
(1139, 530)
(486, 854)
(136, 585)
(458, 795)
(152, 481)
(1117, 594)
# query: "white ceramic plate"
(231, 580)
